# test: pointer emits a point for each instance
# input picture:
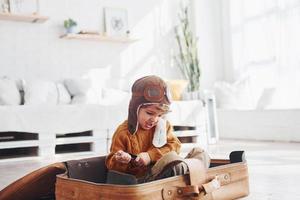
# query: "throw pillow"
(266, 98)
(77, 86)
(113, 96)
(234, 95)
(90, 97)
(9, 92)
(40, 92)
(82, 91)
(63, 95)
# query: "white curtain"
(265, 46)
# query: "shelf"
(19, 144)
(33, 18)
(75, 140)
(97, 37)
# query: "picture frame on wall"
(24, 6)
(4, 6)
(116, 22)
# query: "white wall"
(208, 27)
(32, 51)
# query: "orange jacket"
(136, 143)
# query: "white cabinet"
(191, 116)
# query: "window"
(265, 33)
(265, 42)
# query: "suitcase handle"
(198, 189)
(195, 192)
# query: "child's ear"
(160, 134)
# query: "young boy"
(145, 136)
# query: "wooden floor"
(274, 168)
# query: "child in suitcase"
(145, 137)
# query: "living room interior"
(67, 68)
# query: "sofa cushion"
(237, 95)
(40, 92)
(9, 92)
(90, 97)
(111, 96)
(77, 86)
(82, 91)
(63, 95)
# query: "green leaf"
(187, 59)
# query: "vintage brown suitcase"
(225, 179)
(39, 184)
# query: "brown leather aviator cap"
(149, 89)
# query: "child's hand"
(122, 157)
(143, 159)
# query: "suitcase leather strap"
(198, 189)
(197, 171)
(192, 192)
(196, 167)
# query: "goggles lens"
(153, 93)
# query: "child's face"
(148, 116)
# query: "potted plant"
(70, 25)
(187, 58)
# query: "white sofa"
(51, 122)
(55, 115)
(247, 109)
(271, 125)
(54, 125)
(73, 115)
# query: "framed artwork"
(116, 22)
(4, 6)
(24, 6)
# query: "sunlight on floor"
(273, 167)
